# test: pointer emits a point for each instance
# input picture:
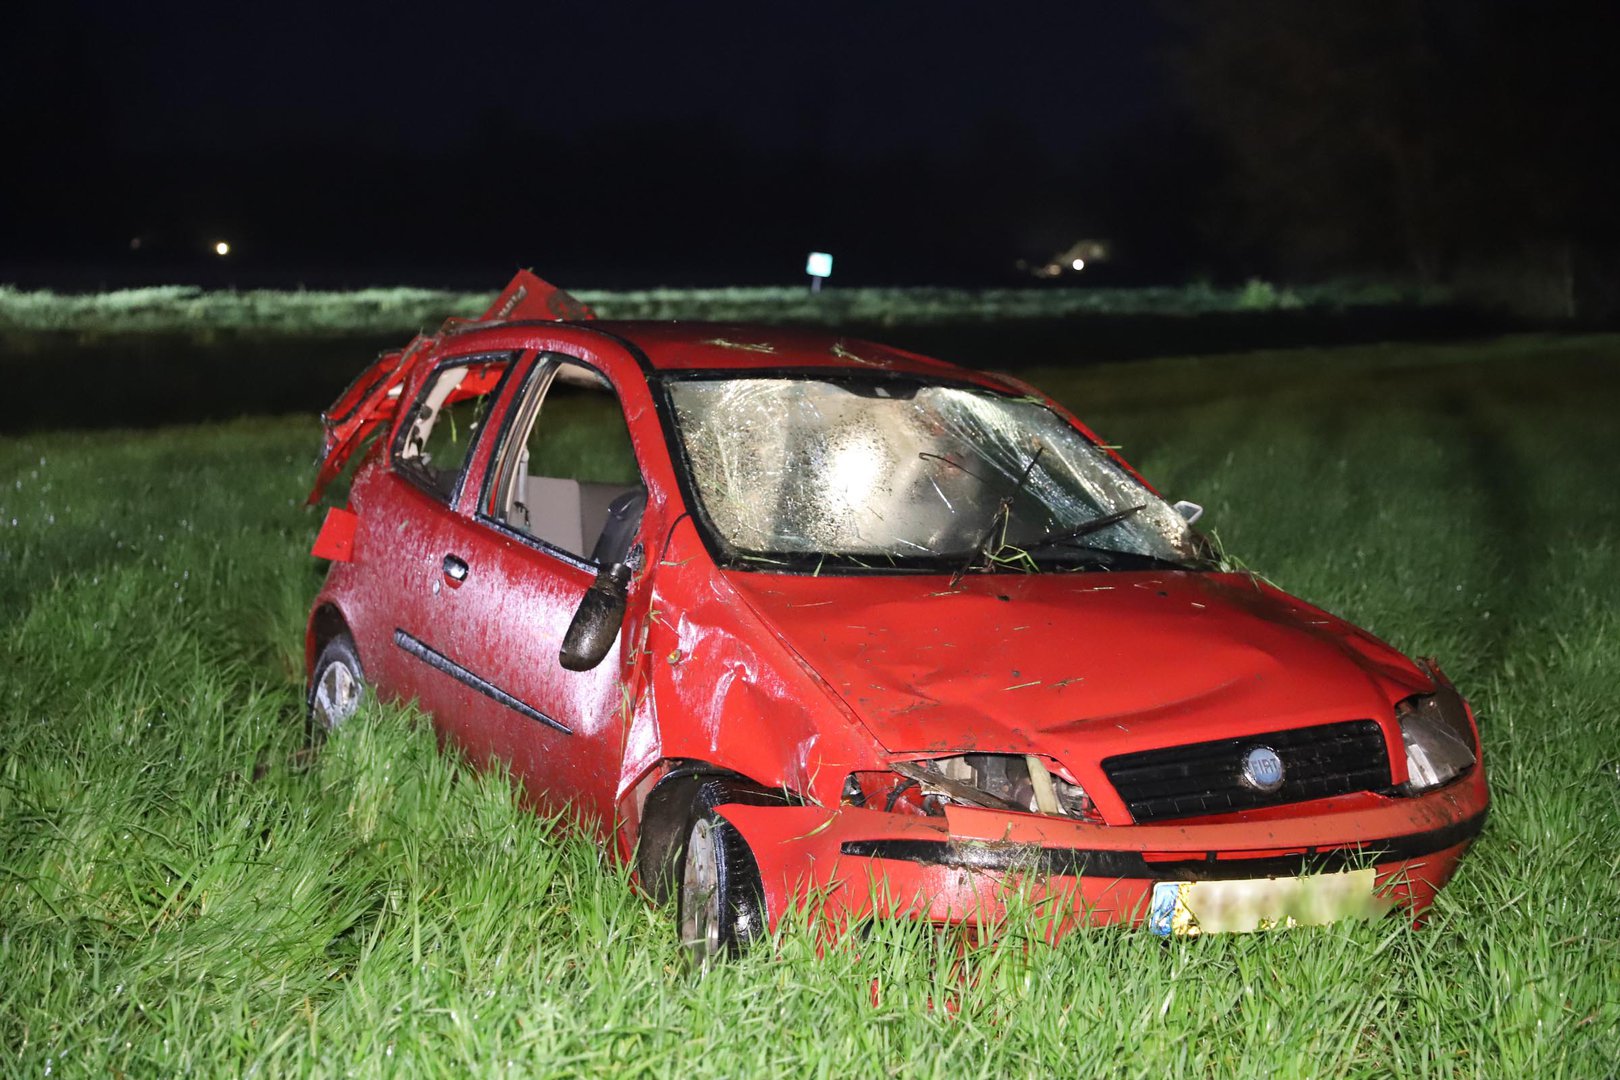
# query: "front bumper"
(853, 863)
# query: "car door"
(407, 509)
(561, 497)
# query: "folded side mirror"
(597, 621)
(1190, 511)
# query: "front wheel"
(722, 903)
(337, 685)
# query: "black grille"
(1207, 777)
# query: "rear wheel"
(337, 685)
(722, 902)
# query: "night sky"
(621, 144)
(633, 142)
(841, 78)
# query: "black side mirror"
(596, 623)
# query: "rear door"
(407, 509)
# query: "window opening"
(567, 474)
(436, 442)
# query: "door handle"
(455, 570)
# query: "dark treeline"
(1458, 142)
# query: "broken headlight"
(1016, 782)
(1439, 740)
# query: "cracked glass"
(888, 472)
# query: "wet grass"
(182, 890)
(186, 310)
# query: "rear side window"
(436, 441)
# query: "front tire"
(337, 686)
(722, 902)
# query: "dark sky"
(619, 144)
(697, 141)
(846, 77)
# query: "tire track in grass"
(1494, 474)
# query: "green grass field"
(183, 890)
(177, 309)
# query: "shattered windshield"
(876, 473)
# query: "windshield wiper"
(981, 549)
(1094, 525)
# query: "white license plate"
(1190, 908)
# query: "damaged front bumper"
(851, 863)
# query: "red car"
(785, 615)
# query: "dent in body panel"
(1076, 667)
(730, 693)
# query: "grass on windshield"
(184, 890)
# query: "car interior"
(567, 474)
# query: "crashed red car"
(789, 616)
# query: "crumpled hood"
(1077, 666)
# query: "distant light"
(134, 243)
(818, 265)
(1078, 264)
(222, 248)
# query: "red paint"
(369, 403)
(335, 541)
(795, 681)
(798, 848)
(528, 297)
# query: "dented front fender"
(723, 690)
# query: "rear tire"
(337, 686)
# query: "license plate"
(1190, 908)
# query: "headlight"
(1439, 742)
(1017, 782)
